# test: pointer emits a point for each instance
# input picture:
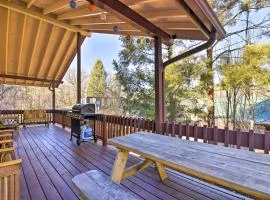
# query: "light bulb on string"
(91, 7)
(103, 16)
(72, 4)
(115, 29)
(128, 37)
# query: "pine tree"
(97, 81)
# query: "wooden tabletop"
(240, 170)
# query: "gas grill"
(79, 115)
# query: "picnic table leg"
(161, 171)
(119, 165)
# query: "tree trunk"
(210, 89)
(234, 107)
(228, 107)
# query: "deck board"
(51, 160)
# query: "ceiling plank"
(21, 45)
(7, 40)
(126, 26)
(59, 53)
(33, 53)
(96, 20)
(187, 34)
(129, 15)
(67, 58)
(45, 57)
(83, 12)
(194, 18)
(30, 3)
(22, 8)
(120, 32)
(55, 6)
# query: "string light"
(91, 7)
(103, 16)
(128, 37)
(72, 4)
(115, 29)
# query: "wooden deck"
(50, 161)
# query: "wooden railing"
(19, 114)
(109, 126)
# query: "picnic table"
(239, 170)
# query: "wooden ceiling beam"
(84, 12)
(48, 48)
(22, 8)
(96, 20)
(55, 6)
(8, 76)
(59, 53)
(30, 3)
(7, 40)
(34, 51)
(126, 26)
(121, 32)
(68, 58)
(127, 14)
(21, 45)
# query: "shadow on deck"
(51, 160)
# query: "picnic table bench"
(95, 185)
(239, 170)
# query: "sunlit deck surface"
(51, 160)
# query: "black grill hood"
(84, 108)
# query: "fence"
(109, 126)
(19, 114)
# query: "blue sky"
(103, 46)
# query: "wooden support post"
(161, 171)
(53, 104)
(63, 119)
(159, 85)
(78, 67)
(104, 131)
(119, 166)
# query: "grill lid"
(84, 108)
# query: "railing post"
(266, 142)
(215, 135)
(53, 104)
(226, 137)
(104, 131)
(251, 140)
(63, 119)
(195, 132)
(205, 133)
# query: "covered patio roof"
(39, 37)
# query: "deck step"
(95, 185)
